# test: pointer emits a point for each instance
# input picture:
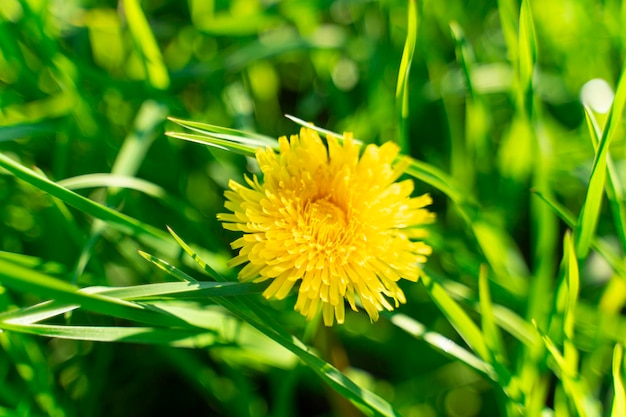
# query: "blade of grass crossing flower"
(327, 372)
(589, 214)
(166, 267)
(466, 328)
(320, 130)
(247, 306)
(253, 314)
(402, 87)
(217, 141)
(196, 258)
(619, 394)
(241, 305)
(208, 129)
(147, 46)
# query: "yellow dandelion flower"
(335, 221)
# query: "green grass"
(121, 126)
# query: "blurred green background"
(86, 86)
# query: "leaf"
(402, 87)
(598, 246)
(442, 344)
(123, 222)
(196, 258)
(589, 214)
(147, 46)
(566, 303)
(466, 328)
(37, 283)
(491, 332)
(322, 131)
(23, 130)
(527, 56)
(614, 190)
(219, 141)
(149, 335)
(234, 134)
(619, 394)
(585, 403)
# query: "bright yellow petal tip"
(335, 222)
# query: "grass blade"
(589, 214)
(219, 141)
(196, 258)
(466, 328)
(326, 371)
(209, 129)
(527, 57)
(614, 190)
(402, 87)
(598, 246)
(320, 130)
(491, 332)
(125, 223)
(585, 403)
(572, 281)
(442, 344)
(42, 285)
(115, 181)
(619, 395)
(146, 45)
(146, 335)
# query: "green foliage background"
(520, 312)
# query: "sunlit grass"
(121, 127)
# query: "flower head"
(332, 220)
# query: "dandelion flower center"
(324, 222)
(332, 220)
